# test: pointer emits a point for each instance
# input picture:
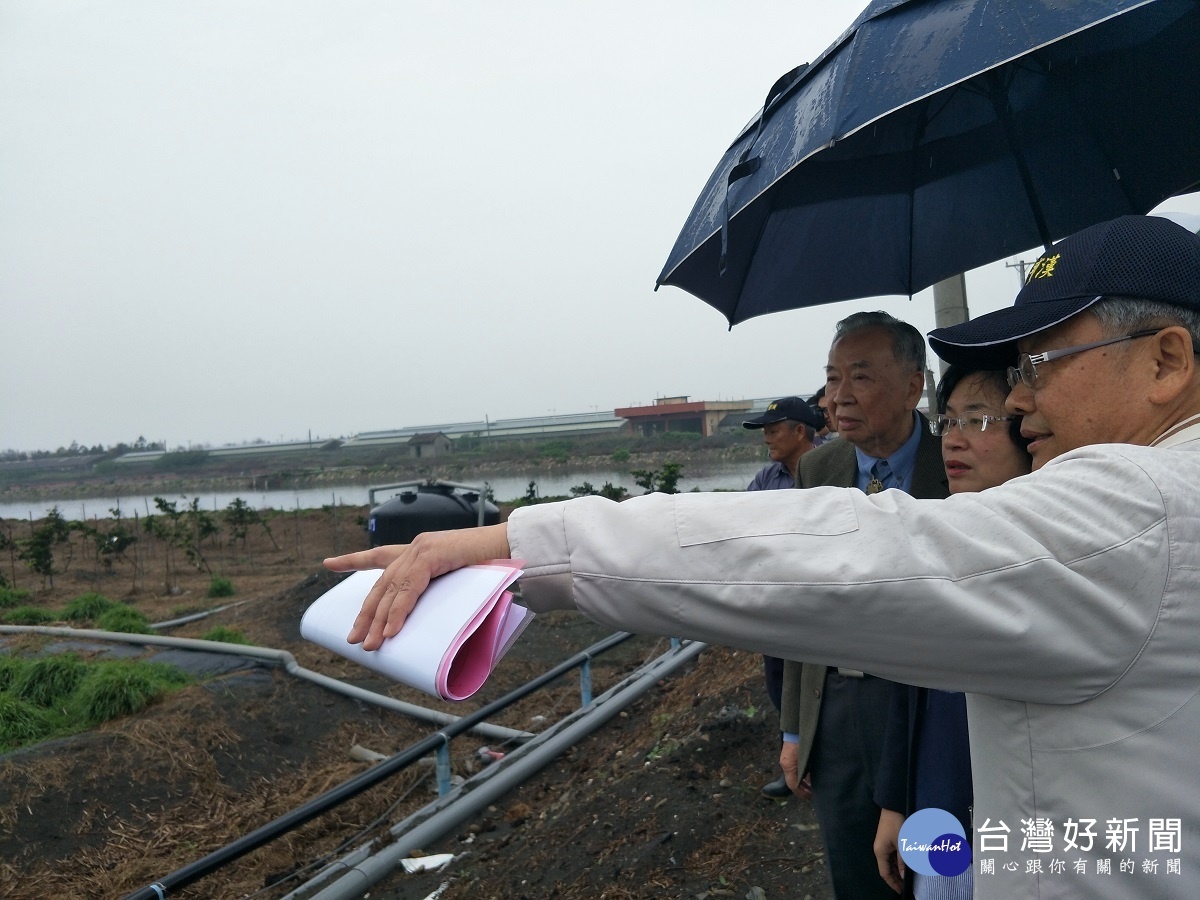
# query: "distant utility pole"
(1020, 265)
(950, 305)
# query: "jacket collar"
(1179, 433)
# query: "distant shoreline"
(696, 460)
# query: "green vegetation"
(664, 747)
(21, 723)
(239, 516)
(676, 438)
(609, 490)
(7, 544)
(559, 451)
(37, 550)
(225, 635)
(77, 449)
(10, 669)
(181, 529)
(48, 681)
(112, 544)
(372, 463)
(12, 597)
(27, 615)
(125, 619)
(62, 694)
(120, 688)
(219, 586)
(181, 459)
(663, 481)
(532, 498)
(87, 607)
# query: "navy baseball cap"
(785, 408)
(1139, 257)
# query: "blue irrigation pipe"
(360, 783)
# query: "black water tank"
(430, 507)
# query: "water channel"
(726, 476)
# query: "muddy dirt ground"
(663, 802)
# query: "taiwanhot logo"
(932, 842)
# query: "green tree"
(203, 525)
(182, 530)
(7, 543)
(111, 545)
(38, 550)
(240, 516)
(612, 491)
(663, 481)
(609, 490)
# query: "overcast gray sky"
(222, 221)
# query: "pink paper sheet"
(460, 628)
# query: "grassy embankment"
(182, 472)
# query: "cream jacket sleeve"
(1044, 589)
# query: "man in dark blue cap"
(788, 426)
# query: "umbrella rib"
(748, 165)
(999, 96)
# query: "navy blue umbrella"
(937, 136)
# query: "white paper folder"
(460, 628)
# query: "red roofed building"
(679, 414)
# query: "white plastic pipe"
(280, 657)
(359, 870)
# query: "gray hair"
(1125, 315)
(808, 429)
(908, 344)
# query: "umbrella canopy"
(937, 136)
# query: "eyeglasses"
(940, 425)
(1025, 371)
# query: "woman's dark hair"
(998, 377)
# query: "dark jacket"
(835, 464)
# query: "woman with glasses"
(927, 759)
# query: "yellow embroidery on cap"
(1043, 268)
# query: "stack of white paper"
(460, 628)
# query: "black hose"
(356, 785)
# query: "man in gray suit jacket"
(833, 719)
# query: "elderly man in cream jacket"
(1065, 603)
